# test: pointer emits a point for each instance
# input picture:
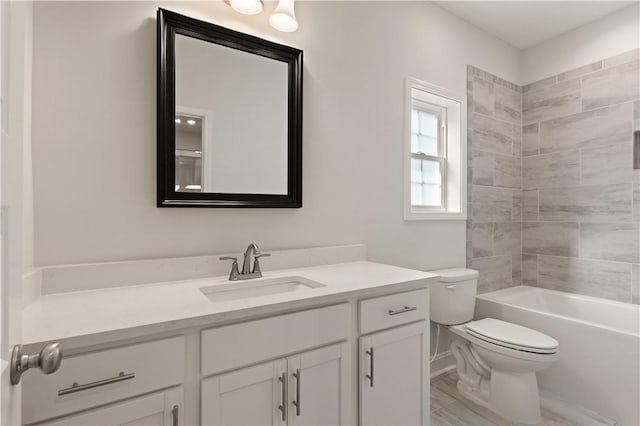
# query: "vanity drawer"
(396, 309)
(103, 377)
(230, 347)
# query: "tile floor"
(449, 408)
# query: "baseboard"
(443, 364)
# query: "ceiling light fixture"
(191, 122)
(178, 121)
(247, 7)
(284, 17)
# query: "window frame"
(454, 184)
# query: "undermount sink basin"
(254, 288)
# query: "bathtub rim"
(518, 289)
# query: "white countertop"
(89, 317)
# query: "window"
(435, 158)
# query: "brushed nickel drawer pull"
(403, 310)
(79, 388)
(370, 375)
(283, 407)
(174, 414)
(297, 403)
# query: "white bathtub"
(599, 366)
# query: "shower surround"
(574, 222)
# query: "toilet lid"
(512, 335)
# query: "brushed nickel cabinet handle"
(282, 407)
(402, 311)
(79, 388)
(296, 403)
(174, 414)
(370, 375)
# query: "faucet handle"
(233, 275)
(256, 263)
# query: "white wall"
(609, 36)
(94, 131)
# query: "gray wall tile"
(491, 204)
(600, 127)
(593, 203)
(492, 135)
(517, 140)
(552, 101)
(530, 140)
(481, 239)
(636, 203)
(623, 58)
(636, 115)
(635, 284)
(530, 204)
(611, 164)
(539, 84)
(611, 86)
(507, 171)
(577, 72)
(507, 238)
(611, 280)
(551, 170)
(483, 97)
(495, 272)
(516, 269)
(482, 168)
(610, 241)
(508, 105)
(516, 205)
(552, 238)
(530, 269)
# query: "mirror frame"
(168, 25)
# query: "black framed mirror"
(229, 117)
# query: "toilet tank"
(453, 299)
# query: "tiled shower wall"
(581, 214)
(494, 143)
(553, 199)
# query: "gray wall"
(581, 205)
(565, 216)
(495, 180)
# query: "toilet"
(496, 360)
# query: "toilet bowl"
(496, 361)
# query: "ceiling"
(524, 24)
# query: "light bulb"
(284, 17)
(247, 7)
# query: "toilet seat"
(512, 336)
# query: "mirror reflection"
(231, 120)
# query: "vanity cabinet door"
(394, 376)
(158, 409)
(318, 386)
(251, 396)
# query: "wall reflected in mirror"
(239, 103)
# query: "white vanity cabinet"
(111, 376)
(158, 409)
(305, 389)
(343, 360)
(394, 363)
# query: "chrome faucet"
(247, 272)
